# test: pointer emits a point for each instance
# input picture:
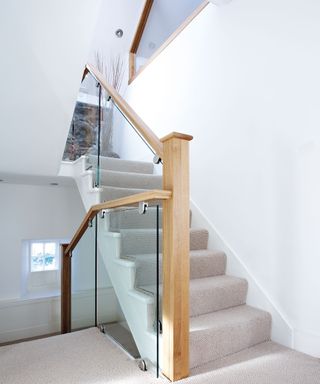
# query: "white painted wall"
(45, 45)
(244, 80)
(31, 212)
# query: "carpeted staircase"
(220, 321)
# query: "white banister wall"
(244, 80)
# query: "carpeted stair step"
(203, 263)
(112, 193)
(215, 293)
(143, 241)
(219, 334)
(131, 219)
(130, 180)
(120, 165)
(211, 294)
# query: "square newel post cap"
(176, 135)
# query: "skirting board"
(282, 331)
(26, 318)
(307, 342)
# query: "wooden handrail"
(148, 135)
(137, 36)
(133, 73)
(122, 202)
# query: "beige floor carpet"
(88, 357)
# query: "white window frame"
(56, 255)
(43, 283)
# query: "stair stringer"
(137, 307)
(84, 179)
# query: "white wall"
(32, 212)
(44, 48)
(115, 14)
(244, 80)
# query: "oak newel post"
(176, 256)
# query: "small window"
(40, 267)
(44, 256)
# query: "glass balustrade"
(116, 279)
(83, 281)
(164, 19)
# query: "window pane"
(37, 263)
(37, 249)
(50, 263)
(43, 257)
(50, 248)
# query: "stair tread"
(222, 333)
(211, 294)
(215, 293)
(106, 187)
(226, 318)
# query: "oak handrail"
(138, 35)
(122, 202)
(143, 129)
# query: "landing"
(88, 357)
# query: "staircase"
(220, 321)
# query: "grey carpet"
(112, 193)
(142, 241)
(203, 263)
(89, 357)
(218, 334)
(130, 180)
(120, 165)
(221, 325)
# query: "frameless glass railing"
(100, 131)
(164, 18)
(83, 280)
(116, 279)
(85, 128)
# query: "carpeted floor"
(88, 357)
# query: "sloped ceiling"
(44, 48)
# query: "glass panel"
(83, 137)
(120, 140)
(83, 307)
(164, 18)
(129, 247)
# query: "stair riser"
(200, 267)
(215, 298)
(139, 242)
(131, 219)
(130, 180)
(125, 165)
(213, 344)
(112, 193)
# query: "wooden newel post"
(65, 290)
(176, 267)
